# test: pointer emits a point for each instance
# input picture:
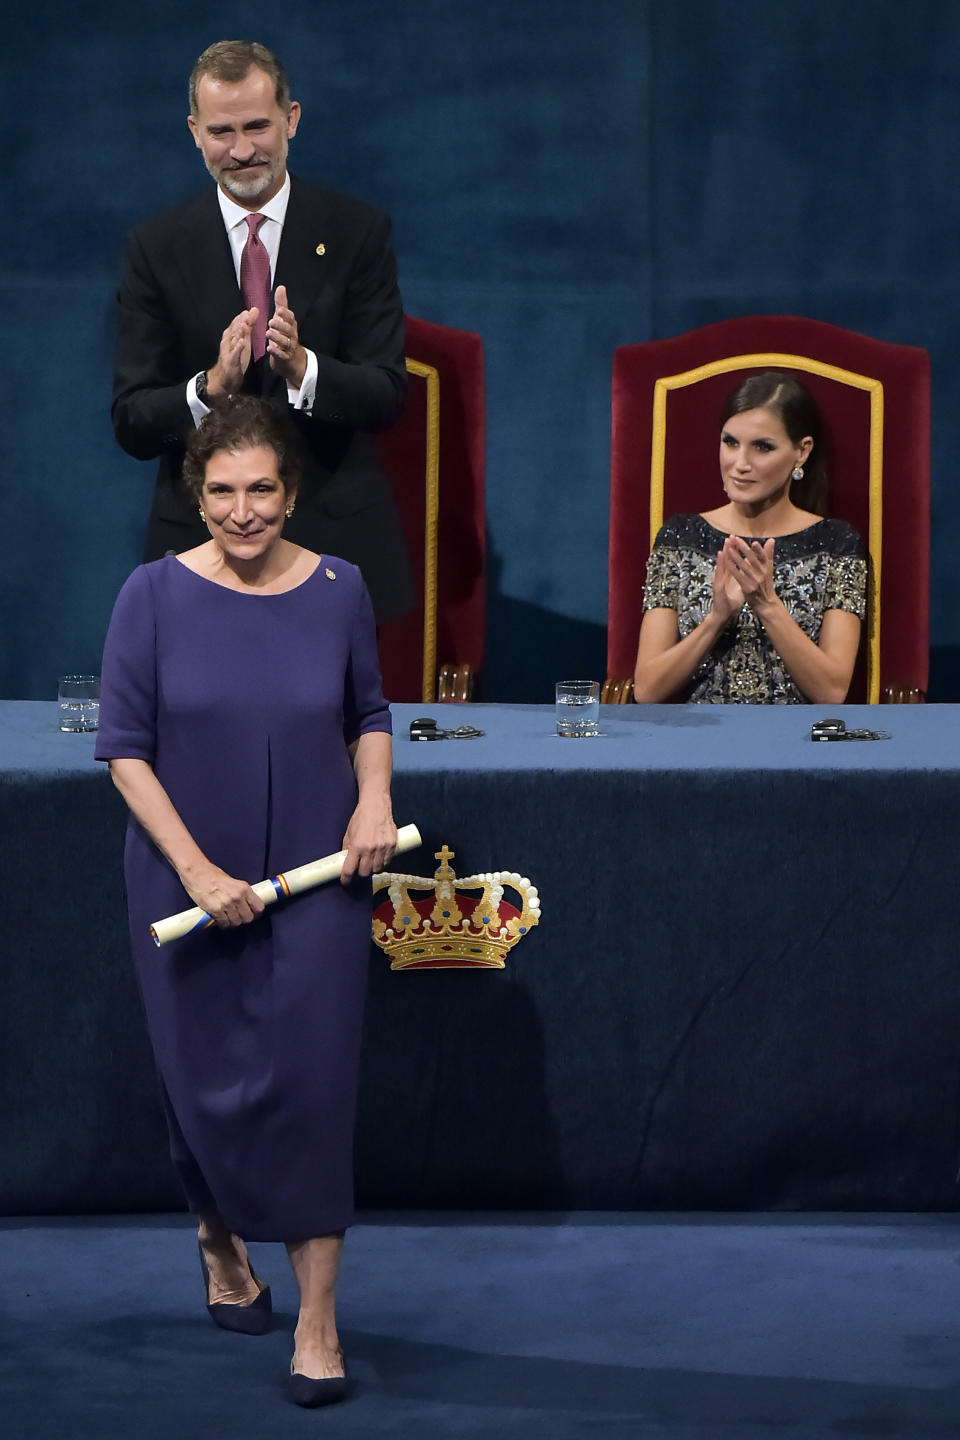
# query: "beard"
(246, 184)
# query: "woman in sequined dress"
(760, 601)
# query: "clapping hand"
(287, 356)
(728, 597)
(752, 565)
(236, 347)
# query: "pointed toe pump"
(253, 1319)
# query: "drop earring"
(289, 511)
(796, 473)
(202, 515)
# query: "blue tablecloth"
(743, 990)
(31, 742)
(684, 737)
(633, 737)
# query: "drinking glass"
(578, 708)
(79, 700)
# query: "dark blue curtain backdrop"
(563, 178)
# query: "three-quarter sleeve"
(364, 707)
(128, 683)
(661, 588)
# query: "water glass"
(578, 708)
(79, 699)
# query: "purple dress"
(245, 705)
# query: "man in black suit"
(326, 340)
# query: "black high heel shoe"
(305, 1391)
(253, 1319)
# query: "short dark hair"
(232, 61)
(799, 415)
(240, 422)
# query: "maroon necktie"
(255, 282)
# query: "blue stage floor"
(540, 1327)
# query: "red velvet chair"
(875, 400)
(434, 458)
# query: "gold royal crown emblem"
(448, 928)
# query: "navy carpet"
(653, 1328)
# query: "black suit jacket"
(178, 293)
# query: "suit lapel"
(299, 267)
(206, 263)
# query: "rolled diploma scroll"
(304, 877)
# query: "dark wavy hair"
(240, 422)
(799, 415)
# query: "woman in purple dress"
(244, 721)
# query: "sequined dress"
(821, 568)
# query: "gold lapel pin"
(329, 573)
(321, 249)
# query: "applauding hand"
(728, 597)
(236, 345)
(287, 356)
(752, 564)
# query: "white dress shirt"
(234, 220)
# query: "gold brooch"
(321, 249)
(329, 573)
